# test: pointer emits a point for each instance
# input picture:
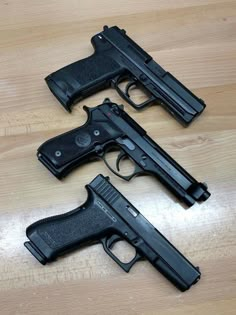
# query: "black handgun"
(117, 58)
(108, 127)
(108, 217)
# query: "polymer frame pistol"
(118, 58)
(108, 217)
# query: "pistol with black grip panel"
(118, 58)
(110, 127)
(108, 217)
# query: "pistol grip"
(66, 151)
(54, 236)
(63, 153)
(82, 78)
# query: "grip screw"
(58, 153)
(96, 132)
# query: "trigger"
(112, 240)
(122, 155)
(128, 86)
(108, 242)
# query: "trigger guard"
(108, 242)
(125, 93)
(127, 178)
(137, 170)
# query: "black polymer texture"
(92, 68)
(74, 228)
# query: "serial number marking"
(106, 211)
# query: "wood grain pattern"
(195, 40)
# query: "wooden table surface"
(195, 41)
